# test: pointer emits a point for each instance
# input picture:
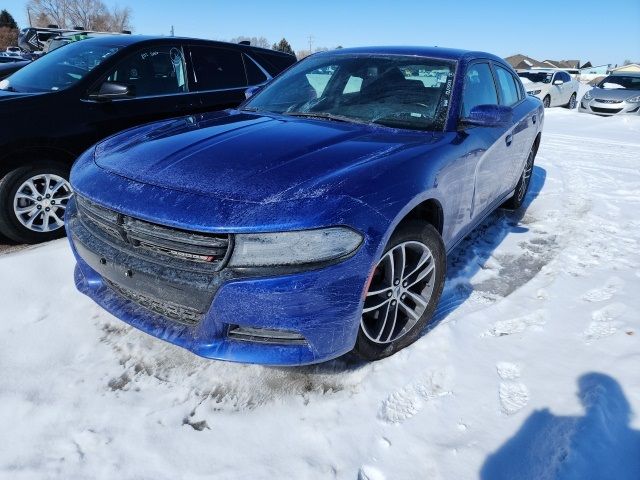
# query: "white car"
(553, 87)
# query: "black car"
(56, 107)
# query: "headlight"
(633, 99)
(293, 248)
(587, 96)
(534, 92)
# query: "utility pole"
(29, 14)
(310, 44)
(173, 33)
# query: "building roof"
(563, 63)
(519, 61)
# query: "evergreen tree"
(7, 20)
(283, 46)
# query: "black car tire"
(10, 226)
(520, 192)
(572, 102)
(411, 232)
(546, 101)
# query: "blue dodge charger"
(315, 219)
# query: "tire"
(572, 102)
(546, 101)
(19, 202)
(389, 328)
(520, 192)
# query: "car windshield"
(59, 69)
(613, 82)
(395, 91)
(536, 77)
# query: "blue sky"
(543, 29)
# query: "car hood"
(249, 157)
(535, 86)
(613, 93)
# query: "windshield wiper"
(325, 116)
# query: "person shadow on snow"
(597, 446)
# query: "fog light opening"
(265, 335)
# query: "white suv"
(553, 87)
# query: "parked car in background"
(314, 219)
(615, 94)
(553, 87)
(56, 107)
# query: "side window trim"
(246, 56)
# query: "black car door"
(156, 77)
(220, 76)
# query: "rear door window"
(479, 88)
(217, 68)
(509, 91)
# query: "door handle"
(509, 139)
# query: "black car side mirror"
(112, 91)
(489, 116)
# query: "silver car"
(553, 87)
(619, 93)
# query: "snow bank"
(531, 372)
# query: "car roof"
(436, 52)
(624, 74)
(126, 40)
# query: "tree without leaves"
(255, 41)
(88, 14)
(283, 46)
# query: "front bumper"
(608, 108)
(319, 310)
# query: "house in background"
(630, 68)
(593, 73)
(522, 62)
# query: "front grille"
(606, 110)
(187, 248)
(178, 313)
(601, 100)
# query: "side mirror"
(112, 91)
(558, 82)
(489, 116)
(251, 91)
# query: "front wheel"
(33, 200)
(403, 292)
(572, 102)
(546, 102)
(522, 187)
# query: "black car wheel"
(572, 102)
(33, 200)
(522, 187)
(546, 101)
(403, 292)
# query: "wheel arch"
(22, 157)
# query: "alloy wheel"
(40, 202)
(399, 293)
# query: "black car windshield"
(59, 69)
(536, 77)
(391, 90)
(620, 82)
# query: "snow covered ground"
(533, 371)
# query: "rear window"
(217, 68)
